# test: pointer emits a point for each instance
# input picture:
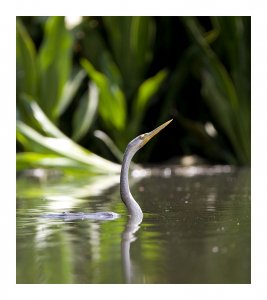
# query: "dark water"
(196, 229)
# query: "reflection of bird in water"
(134, 209)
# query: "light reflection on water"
(196, 229)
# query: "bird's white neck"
(132, 206)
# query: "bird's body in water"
(134, 210)
(69, 216)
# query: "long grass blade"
(145, 94)
(112, 106)
(43, 123)
(69, 91)
(26, 61)
(28, 160)
(54, 64)
(67, 148)
(85, 113)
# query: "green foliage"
(66, 153)
(111, 102)
(222, 89)
(125, 92)
(54, 64)
(26, 61)
(112, 105)
(85, 113)
(139, 74)
(144, 94)
(46, 90)
(71, 88)
(44, 75)
(45, 144)
(131, 40)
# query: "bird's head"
(142, 139)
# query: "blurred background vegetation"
(85, 90)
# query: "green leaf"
(25, 61)
(27, 160)
(43, 123)
(176, 81)
(110, 144)
(54, 64)
(144, 95)
(223, 114)
(147, 90)
(69, 91)
(110, 69)
(223, 91)
(212, 63)
(66, 148)
(112, 106)
(85, 113)
(131, 40)
(142, 37)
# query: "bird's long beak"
(151, 134)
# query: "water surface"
(196, 228)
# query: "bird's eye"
(142, 136)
